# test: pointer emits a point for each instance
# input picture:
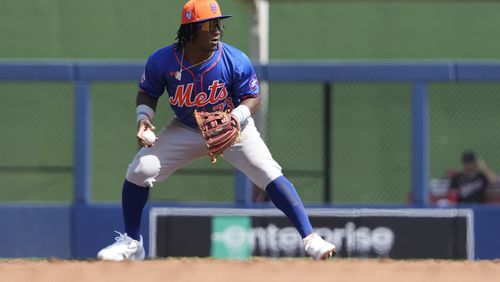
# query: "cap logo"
(213, 7)
(189, 15)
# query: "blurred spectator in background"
(470, 184)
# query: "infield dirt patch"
(207, 270)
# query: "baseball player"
(213, 91)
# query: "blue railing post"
(243, 188)
(420, 144)
(82, 148)
(327, 142)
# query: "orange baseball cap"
(196, 11)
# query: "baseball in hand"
(149, 137)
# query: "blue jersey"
(218, 84)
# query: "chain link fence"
(295, 135)
(463, 116)
(372, 143)
(36, 158)
(370, 126)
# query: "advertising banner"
(360, 233)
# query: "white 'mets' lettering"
(182, 97)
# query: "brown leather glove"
(219, 129)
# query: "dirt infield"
(205, 270)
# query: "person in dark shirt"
(469, 185)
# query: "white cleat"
(125, 248)
(318, 248)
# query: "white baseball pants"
(178, 145)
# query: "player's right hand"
(142, 126)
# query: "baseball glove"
(219, 129)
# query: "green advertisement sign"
(230, 237)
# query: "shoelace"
(309, 239)
(121, 237)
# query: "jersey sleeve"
(152, 81)
(246, 84)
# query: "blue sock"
(134, 198)
(285, 198)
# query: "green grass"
(37, 120)
(326, 29)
